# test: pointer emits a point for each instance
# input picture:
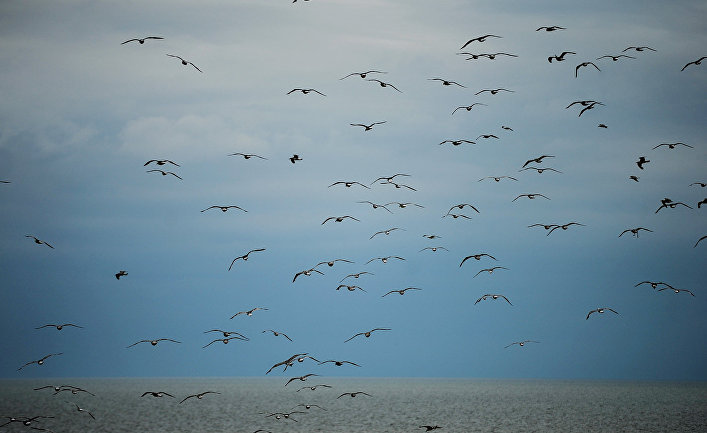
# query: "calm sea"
(394, 405)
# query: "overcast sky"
(81, 114)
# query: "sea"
(395, 405)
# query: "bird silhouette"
(476, 257)
(40, 361)
(245, 256)
(600, 311)
(635, 231)
(369, 126)
(583, 64)
(550, 28)
(198, 396)
(39, 241)
(367, 334)
(400, 291)
(446, 82)
(153, 342)
(560, 57)
(384, 84)
(141, 40)
(165, 173)
(247, 155)
(249, 312)
(467, 107)
(362, 74)
(694, 62)
(161, 162)
(305, 91)
(492, 296)
(224, 208)
(185, 62)
(478, 39)
(641, 161)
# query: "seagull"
(615, 58)
(634, 232)
(247, 155)
(507, 128)
(583, 64)
(476, 257)
(389, 179)
(120, 273)
(363, 74)
(309, 406)
(185, 62)
(446, 82)
(563, 227)
(530, 196)
(492, 296)
(161, 162)
(277, 333)
(429, 427)
(286, 415)
(385, 232)
(157, 394)
(245, 256)
(695, 62)
(287, 362)
(642, 160)
(561, 57)
(59, 327)
(638, 49)
(228, 333)
(404, 205)
(39, 241)
(487, 136)
(295, 158)
(153, 342)
(467, 107)
(249, 312)
(545, 226)
(338, 219)
(498, 178)
(40, 361)
(540, 170)
(385, 259)
(375, 206)
(457, 142)
(588, 107)
(383, 84)
(456, 215)
(224, 340)
(199, 396)
(601, 125)
(489, 270)
(654, 284)
(431, 236)
(330, 263)
(584, 103)
(600, 310)
(521, 343)
(356, 275)
(301, 378)
(493, 91)
(537, 160)
(368, 127)
(634, 178)
(672, 145)
(224, 208)
(550, 28)
(141, 40)
(306, 273)
(74, 390)
(348, 184)
(83, 410)
(433, 249)
(165, 173)
(354, 394)
(672, 204)
(313, 387)
(478, 39)
(401, 291)
(462, 206)
(676, 290)
(702, 184)
(367, 333)
(492, 56)
(399, 185)
(305, 91)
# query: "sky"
(81, 114)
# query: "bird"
(537, 160)
(588, 107)
(699, 240)
(487, 136)
(224, 208)
(467, 107)
(39, 241)
(73, 389)
(492, 56)
(385, 232)
(294, 158)
(198, 396)
(400, 291)
(563, 227)
(431, 236)
(59, 327)
(40, 361)
(338, 363)
(404, 205)
(79, 409)
(367, 333)
(354, 394)
(492, 296)
(153, 342)
(433, 249)
(305, 91)
(157, 394)
(141, 40)
(446, 82)
(288, 362)
(399, 185)
(277, 333)
(476, 257)
(654, 284)
(385, 259)
(507, 128)
(638, 49)
(521, 343)
(642, 160)
(615, 58)
(429, 427)
(635, 231)
(165, 173)
(357, 275)
(350, 288)
(349, 184)
(676, 290)
(120, 273)
(456, 215)
(384, 84)
(701, 184)
(245, 256)
(368, 127)
(498, 178)
(161, 162)
(694, 62)
(185, 62)
(493, 91)
(600, 310)
(330, 263)
(313, 387)
(672, 204)
(560, 57)
(375, 205)
(583, 64)
(389, 179)
(550, 28)
(489, 270)
(545, 226)
(601, 125)
(300, 378)
(286, 415)
(672, 145)
(249, 312)
(306, 273)
(309, 406)
(5, 181)
(530, 196)
(462, 206)
(479, 39)
(539, 169)
(224, 340)
(247, 155)
(339, 219)
(457, 142)
(362, 74)
(228, 333)
(584, 103)
(634, 178)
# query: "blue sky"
(81, 113)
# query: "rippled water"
(395, 405)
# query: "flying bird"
(120, 273)
(185, 62)
(305, 91)
(385, 232)
(249, 312)
(433, 249)
(588, 107)
(198, 396)
(498, 178)
(493, 91)
(224, 340)
(338, 363)
(635, 231)
(492, 296)
(362, 74)
(277, 333)
(306, 273)
(228, 333)
(350, 288)
(550, 28)
(157, 394)
(367, 333)
(615, 58)
(539, 169)
(530, 196)
(476, 257)
(153, 342)
(638, 49)
(642, 160)
(429, 427)
(634, 178)
(330, 263)
(348, 184)
(538, 160)
(446, 82)
(456, 215)
(521, 343)
(676, 290)
(368, 127)
(357, 275)
(294, 158)
(300, 378)
(161, 162)
(383, 84)
(288, 362)
(389, 179)
(224, 208)
(695, 62)
(462, 206)
(401, 291)
(384, 259)
(354, 394)
(165, 173)
(467, 107)
(313, 387)
(478, 39)
(245, 256)
(375, 205)
(561, 57)
(600, 311)
(457, 142)
(584, 103)
(59, 327)
(247, 155)
(141, 40)
(563, 227)
(672, 145)
(489, 270)
(79, 409)
(339, 219)
(39, 241)
(40, 361)
(583, 64)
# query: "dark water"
(394, 405)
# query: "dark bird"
(563, 227)
(433, 249)
(545, 226)
(638, 49)
(398, 186)
(120, 273)
(550, 28)
(487, 136)
(672, 204)
(456, 215)
(467, 107)
(676, 290)
(654, 284)
(540, 170)
(228, 333)
(368, 127)
(249, 312)
(39, 241)
(354, 394)
(385, 232)
(457, 142)
(355, 275)
(40, 361)
(635, 231)
(600, 310)
(224, 340)
(537, 160)
(348, 184)
(701, 202)
(224, 208)
(401, 291)
(583, 103)
(384, 259)
(59, 327)
(306, 273)
(561, 57)
(507, 128)
(309, 406)
(530, 196)
(478, 39)
(165, 173)
(383, 84)
(634, 178)
(588, 107)
(489, 270)
(277, 333)
(185, 62)
(157, 394)
(492, 296)
(154, 342)
(330, 263)
(493, 91)
(338, 219)
(362, 74)
(521, 343)
(615, 58)
(696, 62)
(247, 155)
(702, 184)
(429, 427)
(305, 91)
(462, 206)
(313, 387)
(672, 145)
(73, 389)
(446, 82)
(141, 40)
(404, 205)
(245, 256)
(367, 333)
(198, 396)
(476, 257)
(431, 236)
(288, 362)
(285, 415)
(350, 288)
(161, 162)
(583, 64)
(498, 178)
(300, 378)
(389, 179)
(295, 158)
(492, 56)
(375, 205)
(601, 125)
(699, 240)
(642, 160)
(339, 363)
(79, 409)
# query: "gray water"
(394, 405)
